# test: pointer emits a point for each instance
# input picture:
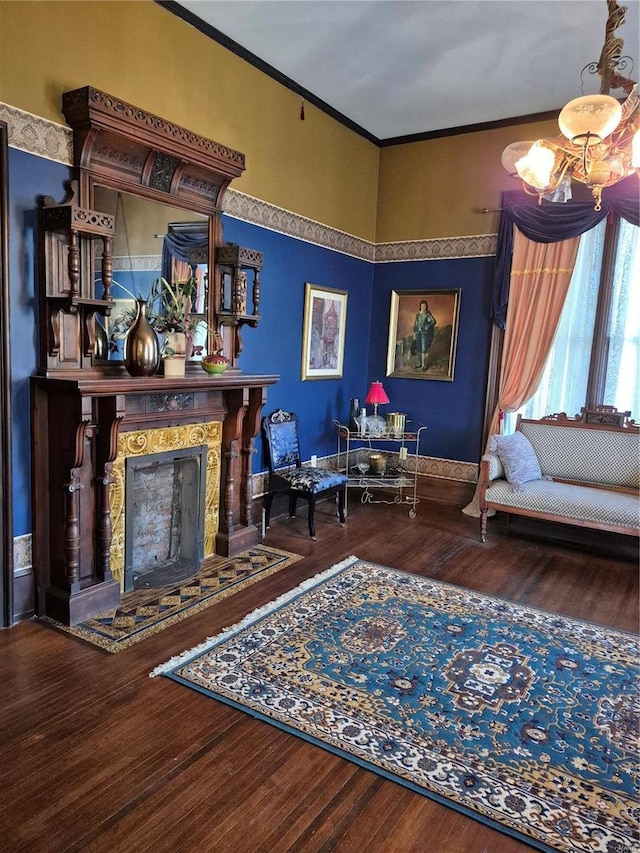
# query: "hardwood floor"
(95, 756)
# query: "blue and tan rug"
(142, 613)
(520, 718)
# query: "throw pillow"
(518, 458)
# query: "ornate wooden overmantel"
(139, 152)
(80, 403)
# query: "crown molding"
(44, 138)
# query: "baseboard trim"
(24, 594)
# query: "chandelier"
(600, 142)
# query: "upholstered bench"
(582, 471)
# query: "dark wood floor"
(95, 756)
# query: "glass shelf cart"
(400, 473)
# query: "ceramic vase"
(174, 365)
(141, 347)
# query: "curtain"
(540, 277)
(563, 387)
(176, 244)
(176, 266)
(622, 388)
(545, 224)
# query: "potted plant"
(169, 314)
(171, 319)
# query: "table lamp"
(376, 425)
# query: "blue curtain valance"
(176, 244)
(551, 222)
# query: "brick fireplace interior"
(164, 517)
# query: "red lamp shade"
(376, 394)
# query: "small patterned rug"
(145, 612)
(523, 719)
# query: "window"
(622, 386)
(595, 356)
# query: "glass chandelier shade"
(600, 142)
(590, 119)
(514, 152)
(537, 165)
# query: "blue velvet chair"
(286, 474)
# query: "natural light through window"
(622, 388)
(564, 386)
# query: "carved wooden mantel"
(82, 402)
(76, 425)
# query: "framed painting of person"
(423, 332)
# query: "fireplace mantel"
(76, 423)
(81, 401)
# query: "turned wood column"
(251, 426)
(72, 532)
(110, 411)
(230, 483)
(237, 530)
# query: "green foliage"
(171, 306)
(168, 310)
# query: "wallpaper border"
(44, 138)
(38, 136)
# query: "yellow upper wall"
(138, 51)
(437, 188)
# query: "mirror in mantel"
(152, 241)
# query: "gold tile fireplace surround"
(78, 426)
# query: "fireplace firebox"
(164, 517)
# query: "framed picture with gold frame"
(325, 321)
(423, 333)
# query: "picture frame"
(423, 347)
(323, 334)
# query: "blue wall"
(29, 177)
(275, 346)
(452, 411)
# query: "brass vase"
(141, 348)
(378, 464)
(101, 345)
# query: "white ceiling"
(404, 67)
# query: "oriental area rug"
(522, 719)
(145, 612)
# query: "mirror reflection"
(152, 242)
